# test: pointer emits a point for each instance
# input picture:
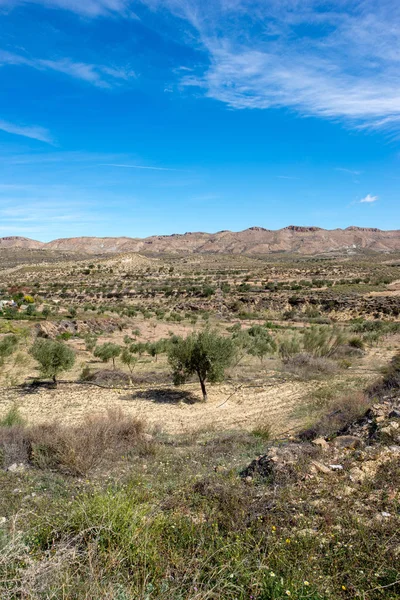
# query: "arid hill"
(20, 242)
(255, 240)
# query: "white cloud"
(349, 171)
(337, 60)
(33, 132)
(136, 167)
(369, 199)
(88, 8)
(98, 75)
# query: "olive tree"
(128, 359)
(205, 354)
(107, 351)
(261, 343)
(53, 357)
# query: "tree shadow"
(34, 387)
(167, 396)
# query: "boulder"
(16, 468)
(321, 468)
(321, 443)
(348, 442)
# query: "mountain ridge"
(299, 239)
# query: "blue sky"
(141, 117)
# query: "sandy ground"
(175, 411)
(253, 396)
(178, 410)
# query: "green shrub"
(12, 418)
(289, 346)
(322, 341)
(8, 345)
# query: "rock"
(321, 442)
(3, 520)
(357, 475)
(336, 467)
(382, 516)
(394, 414)
(47, 330)
(348, 441)
(280, 463)
(16, 468)
(389, 430)
(262, 466)
(380, 419)
(321, 468)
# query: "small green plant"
(12, 417)
(8, 345)
(263, 431)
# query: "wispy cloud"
(335, 60)
(369, 199)
(98, 75)
(47, 210)
(136, 167)
(349, 171)
(36, 133)
(88, 8)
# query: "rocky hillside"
(20, 242)
(256, 240)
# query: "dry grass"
(308, 367)
(336, 415)
(75, 450)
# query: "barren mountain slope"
(256, 240)
(20, 242)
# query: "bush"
(356, 342)
(289, 346)
(8, 345)
(106, 377)
(390, 381)
(261, 343)
(322, 341)
(12, 418)
(79, 449)
(307, 366)
(337, 415)
(75, 450)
